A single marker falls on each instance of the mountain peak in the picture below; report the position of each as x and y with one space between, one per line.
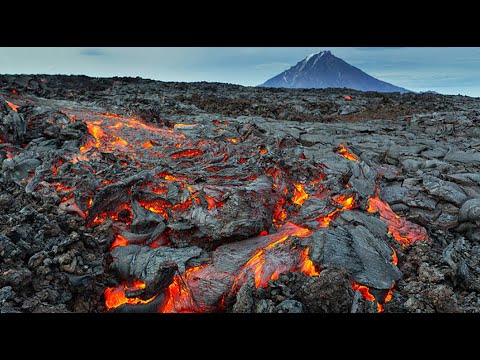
318 55
324 70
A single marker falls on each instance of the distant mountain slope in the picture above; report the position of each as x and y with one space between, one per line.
324 70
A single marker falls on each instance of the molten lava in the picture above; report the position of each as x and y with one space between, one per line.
179 297
402 230
308 267
299 194
172 189
342 150
345 202
12 106
256 265
364 290
116 296
147 144
279 213
119 241
394 257
187 153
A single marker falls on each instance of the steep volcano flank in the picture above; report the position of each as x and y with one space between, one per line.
198 210
324 70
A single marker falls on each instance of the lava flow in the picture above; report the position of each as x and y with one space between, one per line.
278 255
346 153
259 266
163 191
12 106
344 202
115 297
402 230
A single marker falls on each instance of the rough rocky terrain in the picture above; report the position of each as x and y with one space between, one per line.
425 149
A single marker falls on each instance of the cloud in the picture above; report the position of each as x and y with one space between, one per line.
92 52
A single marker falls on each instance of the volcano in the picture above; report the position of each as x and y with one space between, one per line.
169 208
324 70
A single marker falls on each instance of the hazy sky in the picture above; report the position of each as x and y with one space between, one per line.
446 70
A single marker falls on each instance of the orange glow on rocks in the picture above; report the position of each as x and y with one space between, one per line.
118 214
402 230
364 290
187 153
308 267
261 273
299 194
342 150
114 139
184 125
116 296
169 177
96 131
389 295
12 105
156 206
178 294
55 167
61 188
119 241
79 158
147 144
279 213
345 202
394 257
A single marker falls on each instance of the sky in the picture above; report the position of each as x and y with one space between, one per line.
442 69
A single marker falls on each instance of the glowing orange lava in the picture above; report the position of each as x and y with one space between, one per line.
394 257
12 106
347 202
122 140
402 230
308 267
299 194
119 241
115 296
364 290
184 125
279 213
187 153
147 144
61 188
262 274
342 150
156 206
178 294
